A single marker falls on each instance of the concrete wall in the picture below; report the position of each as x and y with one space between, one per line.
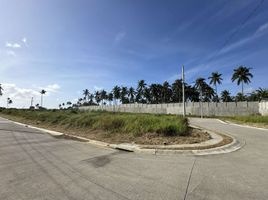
192 108
263 108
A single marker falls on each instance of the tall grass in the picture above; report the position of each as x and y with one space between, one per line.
125 123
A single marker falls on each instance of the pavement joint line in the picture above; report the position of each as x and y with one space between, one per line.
156 149
189 179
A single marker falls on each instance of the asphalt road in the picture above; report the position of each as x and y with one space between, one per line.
34 165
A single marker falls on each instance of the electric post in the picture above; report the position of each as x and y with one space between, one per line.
183 92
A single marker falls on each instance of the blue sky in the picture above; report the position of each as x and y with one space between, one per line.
66 46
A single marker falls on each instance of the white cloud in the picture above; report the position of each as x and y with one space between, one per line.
21 97
17 93
120 36
50 88
13 45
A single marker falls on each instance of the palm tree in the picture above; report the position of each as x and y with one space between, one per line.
242 75
226 96
240 97
166 92
69 103
9 101
86 94
156 92
191 93
103 96
123 94
116 93
200 85
42 92
177 91
59 106
262 93
91 97
1 90
215 79
97 97
131 94
79 102
147 95
140 91
209 93
110 97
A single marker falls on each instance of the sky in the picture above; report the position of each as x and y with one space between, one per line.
66 46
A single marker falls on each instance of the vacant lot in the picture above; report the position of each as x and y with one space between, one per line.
112 127
254 120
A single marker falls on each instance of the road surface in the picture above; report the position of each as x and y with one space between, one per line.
34 165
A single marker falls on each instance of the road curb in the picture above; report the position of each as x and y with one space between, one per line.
156 149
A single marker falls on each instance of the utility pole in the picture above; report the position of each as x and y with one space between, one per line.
183 92
201 103
32 102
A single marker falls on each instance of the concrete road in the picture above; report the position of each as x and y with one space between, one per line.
34 165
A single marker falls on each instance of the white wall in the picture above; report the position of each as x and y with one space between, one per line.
192 108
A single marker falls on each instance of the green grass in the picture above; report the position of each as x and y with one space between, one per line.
125 123
249 119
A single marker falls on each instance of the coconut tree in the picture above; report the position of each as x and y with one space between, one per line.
226 96
156 92
242 75
177 91
69 104
97 97
147 95
240 97
86 94
42 92
131 94
1 90
200 85
9 101
262 93
110 97
116 93
103 96
123 94
215 79
91 97
209 92
166 92
140 91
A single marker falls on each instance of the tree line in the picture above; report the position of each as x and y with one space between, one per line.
156 93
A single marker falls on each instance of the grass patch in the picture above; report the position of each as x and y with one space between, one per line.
131 124
255 120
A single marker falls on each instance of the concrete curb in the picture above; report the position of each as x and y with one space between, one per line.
156 149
